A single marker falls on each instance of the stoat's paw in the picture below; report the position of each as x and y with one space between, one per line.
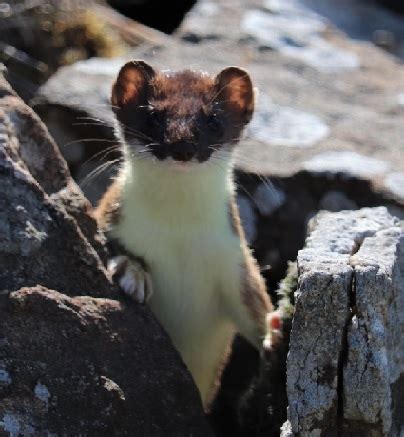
273 322
131 276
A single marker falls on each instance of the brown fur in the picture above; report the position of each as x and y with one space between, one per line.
253 289
182 92
183 100
109 208
237 91
253 292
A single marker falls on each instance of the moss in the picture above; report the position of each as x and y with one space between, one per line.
287 288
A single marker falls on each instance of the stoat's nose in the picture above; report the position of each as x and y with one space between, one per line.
182 151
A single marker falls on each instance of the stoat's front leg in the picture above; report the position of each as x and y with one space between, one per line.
129 271
251 308
132 276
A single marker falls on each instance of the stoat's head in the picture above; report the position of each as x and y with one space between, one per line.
181 115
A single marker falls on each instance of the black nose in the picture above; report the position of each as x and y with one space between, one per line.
182 151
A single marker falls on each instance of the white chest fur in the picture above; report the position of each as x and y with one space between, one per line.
179 222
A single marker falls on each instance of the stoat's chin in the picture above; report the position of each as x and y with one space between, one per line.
180 166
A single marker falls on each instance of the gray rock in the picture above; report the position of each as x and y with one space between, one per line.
395 183
295 31
282 126
375 360
312 367
381 26
350 163
37 232
346 350
94 366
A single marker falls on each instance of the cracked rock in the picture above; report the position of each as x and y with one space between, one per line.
346 358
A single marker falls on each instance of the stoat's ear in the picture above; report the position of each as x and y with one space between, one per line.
235 90
131 84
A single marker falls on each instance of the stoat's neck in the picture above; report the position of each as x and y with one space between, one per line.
175 197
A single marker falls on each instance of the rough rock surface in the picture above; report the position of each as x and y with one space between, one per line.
74 358
36 230
345 368
90 366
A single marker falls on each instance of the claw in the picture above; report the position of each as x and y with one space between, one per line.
134 281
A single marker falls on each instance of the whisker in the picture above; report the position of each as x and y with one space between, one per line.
93 123
88 140
126 129
102 154
135 132
97 171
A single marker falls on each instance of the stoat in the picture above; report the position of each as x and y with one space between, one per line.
172 215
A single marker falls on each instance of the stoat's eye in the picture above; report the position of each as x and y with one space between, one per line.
155 118
215 124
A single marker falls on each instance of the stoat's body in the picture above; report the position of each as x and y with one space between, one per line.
180 217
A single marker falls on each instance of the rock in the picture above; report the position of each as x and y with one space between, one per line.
395 183
302 113
37 231
74 357
282 126
375 359
346 353
350 19
197 20
95 366
349 163
295 31
336 201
